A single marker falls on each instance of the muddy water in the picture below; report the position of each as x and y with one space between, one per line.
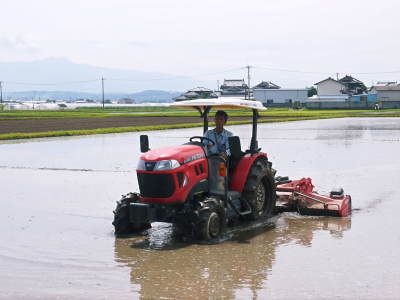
56 237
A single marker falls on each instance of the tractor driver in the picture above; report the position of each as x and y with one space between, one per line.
219 135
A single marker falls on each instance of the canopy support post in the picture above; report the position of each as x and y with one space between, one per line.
254 143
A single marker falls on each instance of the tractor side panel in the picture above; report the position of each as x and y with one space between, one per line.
241 171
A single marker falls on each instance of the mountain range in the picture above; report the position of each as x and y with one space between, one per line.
62 78
143 96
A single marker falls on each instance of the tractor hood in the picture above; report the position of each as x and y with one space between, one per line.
182 154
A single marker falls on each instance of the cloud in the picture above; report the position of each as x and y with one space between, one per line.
18 44
137 44
130 44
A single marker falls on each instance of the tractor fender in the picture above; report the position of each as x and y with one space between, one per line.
239 176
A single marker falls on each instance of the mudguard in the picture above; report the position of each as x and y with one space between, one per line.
242 169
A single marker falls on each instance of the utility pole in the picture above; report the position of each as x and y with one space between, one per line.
248 80
102 89
1 93
337 76
217 85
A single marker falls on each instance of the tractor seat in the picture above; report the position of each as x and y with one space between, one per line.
236 151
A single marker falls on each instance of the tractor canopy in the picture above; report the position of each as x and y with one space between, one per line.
225 102
204 106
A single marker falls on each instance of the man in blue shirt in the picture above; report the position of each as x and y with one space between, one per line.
219 135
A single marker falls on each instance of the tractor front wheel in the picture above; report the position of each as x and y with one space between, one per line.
122 222
210 224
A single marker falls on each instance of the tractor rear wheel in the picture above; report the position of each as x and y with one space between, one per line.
210 223
122 222
260 190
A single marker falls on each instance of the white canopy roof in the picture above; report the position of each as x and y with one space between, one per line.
224 102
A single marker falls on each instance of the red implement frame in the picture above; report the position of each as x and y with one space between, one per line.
299 195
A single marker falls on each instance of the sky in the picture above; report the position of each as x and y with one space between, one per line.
291 43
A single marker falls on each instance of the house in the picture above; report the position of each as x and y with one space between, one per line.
329 86
191 95
388 95
181 98
266 85
346 92
346 85
272 97
385 83
353 86
234 87
198 92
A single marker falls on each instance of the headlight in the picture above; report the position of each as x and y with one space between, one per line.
161 165
164 165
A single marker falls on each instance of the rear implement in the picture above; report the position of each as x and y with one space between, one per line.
299 195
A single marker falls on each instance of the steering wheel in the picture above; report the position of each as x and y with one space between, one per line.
202 138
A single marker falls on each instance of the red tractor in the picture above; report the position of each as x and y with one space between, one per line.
188 186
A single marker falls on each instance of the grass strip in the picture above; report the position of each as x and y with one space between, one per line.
13 136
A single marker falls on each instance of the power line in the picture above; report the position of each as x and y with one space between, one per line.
52 83
327 72
217 73
290 71
380 72
193 76
151 79
187 77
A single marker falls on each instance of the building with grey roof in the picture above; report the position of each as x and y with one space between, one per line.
388 95
234 87
272 95
266 85
281 97
196 93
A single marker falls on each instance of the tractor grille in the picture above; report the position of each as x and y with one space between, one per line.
156 185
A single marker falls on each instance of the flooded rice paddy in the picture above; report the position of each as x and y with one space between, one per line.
57 241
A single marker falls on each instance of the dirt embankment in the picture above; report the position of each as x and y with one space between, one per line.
42 125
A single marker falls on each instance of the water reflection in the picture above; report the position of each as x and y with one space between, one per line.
168 264
348 133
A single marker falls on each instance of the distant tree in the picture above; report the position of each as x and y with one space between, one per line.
296 105
311 91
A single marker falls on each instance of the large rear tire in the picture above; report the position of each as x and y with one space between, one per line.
260 190
122 222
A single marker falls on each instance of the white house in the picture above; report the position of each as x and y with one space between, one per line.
329 87
280 97
330 94
347 92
